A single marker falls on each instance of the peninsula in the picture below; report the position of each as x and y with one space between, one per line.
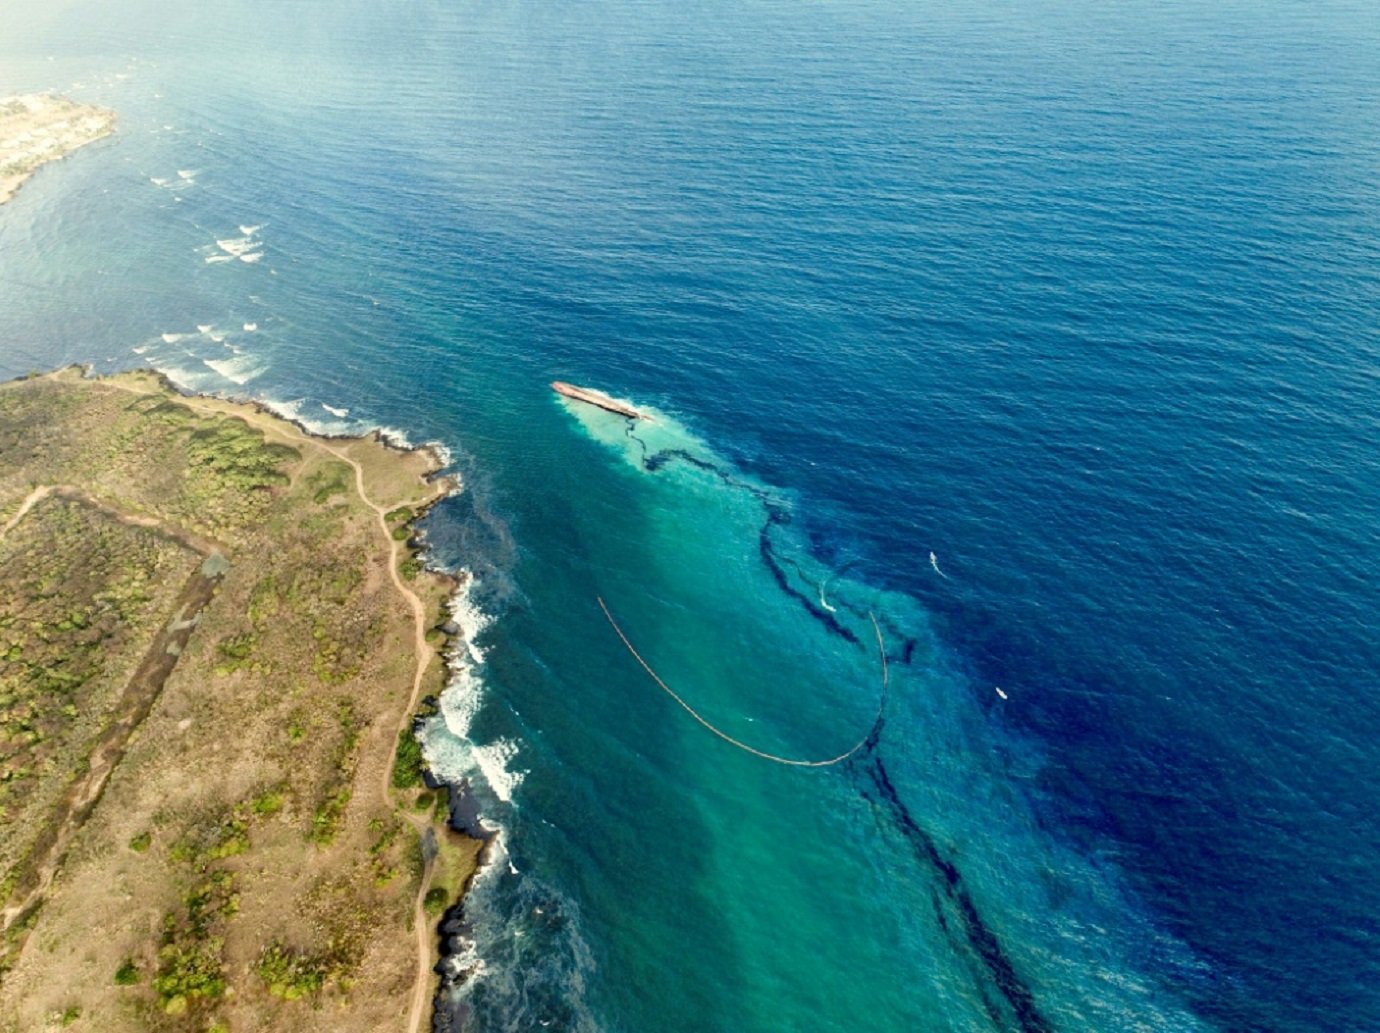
214 636
37 128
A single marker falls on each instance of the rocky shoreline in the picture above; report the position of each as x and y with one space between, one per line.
38 128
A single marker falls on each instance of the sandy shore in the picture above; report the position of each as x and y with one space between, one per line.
37 128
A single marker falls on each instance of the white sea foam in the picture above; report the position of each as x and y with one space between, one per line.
471 620
442 451
140 349
467 963
252 256
239 370
300 410
296 409
204 328
249 231
217 259
504 909
186 175
449 750
236 245
288 409
172 338
159 181
492 760
394 437
249 328
193 380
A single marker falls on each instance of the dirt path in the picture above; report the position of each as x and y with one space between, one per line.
421 989
172 532
46 855
34 498
272 426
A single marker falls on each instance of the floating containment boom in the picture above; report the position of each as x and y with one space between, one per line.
867 741
597 398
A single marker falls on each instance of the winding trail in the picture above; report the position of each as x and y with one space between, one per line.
421 988
34 498
68 815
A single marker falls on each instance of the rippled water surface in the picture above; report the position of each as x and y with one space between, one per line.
1045 334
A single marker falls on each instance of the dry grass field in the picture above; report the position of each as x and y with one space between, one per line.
212 639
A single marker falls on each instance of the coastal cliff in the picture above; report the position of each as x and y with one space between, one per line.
214 635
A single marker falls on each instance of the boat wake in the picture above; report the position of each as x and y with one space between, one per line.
823 601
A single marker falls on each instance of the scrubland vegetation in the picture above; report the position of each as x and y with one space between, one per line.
211 804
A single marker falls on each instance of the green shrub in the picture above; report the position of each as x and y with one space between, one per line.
225 837
326 821
127 974
188 971
237 651
408 762
141 842
435 901
268 803
329 482
292 974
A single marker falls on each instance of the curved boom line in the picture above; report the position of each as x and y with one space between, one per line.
881 706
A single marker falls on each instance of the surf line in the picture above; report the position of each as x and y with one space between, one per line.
867 740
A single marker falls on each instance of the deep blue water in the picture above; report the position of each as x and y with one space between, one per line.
1083 302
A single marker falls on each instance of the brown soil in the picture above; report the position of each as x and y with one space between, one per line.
223 847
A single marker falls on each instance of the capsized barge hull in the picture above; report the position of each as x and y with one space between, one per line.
590 396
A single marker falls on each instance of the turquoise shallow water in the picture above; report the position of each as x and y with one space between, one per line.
1081 302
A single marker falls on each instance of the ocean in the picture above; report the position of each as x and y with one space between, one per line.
1045 335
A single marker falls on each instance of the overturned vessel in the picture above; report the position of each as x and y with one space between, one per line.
590 396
